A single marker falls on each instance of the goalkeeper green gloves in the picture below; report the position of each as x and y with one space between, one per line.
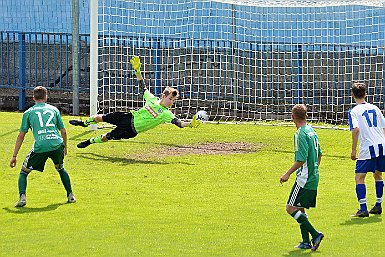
136 64
194 122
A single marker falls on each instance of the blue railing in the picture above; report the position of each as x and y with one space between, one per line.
31 59
41 59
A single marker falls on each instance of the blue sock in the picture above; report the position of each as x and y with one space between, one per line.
379 192
361 195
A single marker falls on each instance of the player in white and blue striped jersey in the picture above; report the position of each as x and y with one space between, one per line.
367 124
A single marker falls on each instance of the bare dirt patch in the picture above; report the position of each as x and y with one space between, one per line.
206 148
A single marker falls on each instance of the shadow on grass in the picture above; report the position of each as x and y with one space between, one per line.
362 221
160 143
81 135
9 133
23 210
342 157
300 252
116 160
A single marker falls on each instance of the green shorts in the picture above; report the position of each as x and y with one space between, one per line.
301 197
36 161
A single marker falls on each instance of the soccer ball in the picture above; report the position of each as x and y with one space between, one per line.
202 115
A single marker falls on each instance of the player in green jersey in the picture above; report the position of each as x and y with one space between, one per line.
45 122
128 124
304 192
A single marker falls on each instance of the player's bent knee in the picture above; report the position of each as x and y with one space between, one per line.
360 178
25 170
108 136
98 118
59 167
377 175
290 209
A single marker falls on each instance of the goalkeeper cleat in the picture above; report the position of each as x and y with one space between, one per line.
84 144
376 210
71 198
317 241
361 214
303 245
78 123
22 201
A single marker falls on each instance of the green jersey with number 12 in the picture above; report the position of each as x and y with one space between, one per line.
45 122
307 150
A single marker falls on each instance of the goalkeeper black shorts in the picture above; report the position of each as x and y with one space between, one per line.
124 122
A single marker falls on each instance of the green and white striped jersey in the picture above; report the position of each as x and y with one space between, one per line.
307 149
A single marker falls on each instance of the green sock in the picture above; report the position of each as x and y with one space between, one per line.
97 139
65 179
89 121
22 182
303 220
305 234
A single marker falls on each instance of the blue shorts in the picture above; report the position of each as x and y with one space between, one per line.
371 165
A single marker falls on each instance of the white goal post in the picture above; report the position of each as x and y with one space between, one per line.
244 60
94 63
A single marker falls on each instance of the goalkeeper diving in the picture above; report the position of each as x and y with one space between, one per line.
128 124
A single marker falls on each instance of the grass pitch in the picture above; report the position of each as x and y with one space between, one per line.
135 200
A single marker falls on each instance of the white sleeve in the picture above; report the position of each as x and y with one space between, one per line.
381 119
353 120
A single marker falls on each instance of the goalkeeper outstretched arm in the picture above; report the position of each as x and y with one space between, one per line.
194 123
136 64
142 86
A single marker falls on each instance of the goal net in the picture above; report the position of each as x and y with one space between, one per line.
244 60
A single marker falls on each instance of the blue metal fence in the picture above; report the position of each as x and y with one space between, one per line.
305 71
34 59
